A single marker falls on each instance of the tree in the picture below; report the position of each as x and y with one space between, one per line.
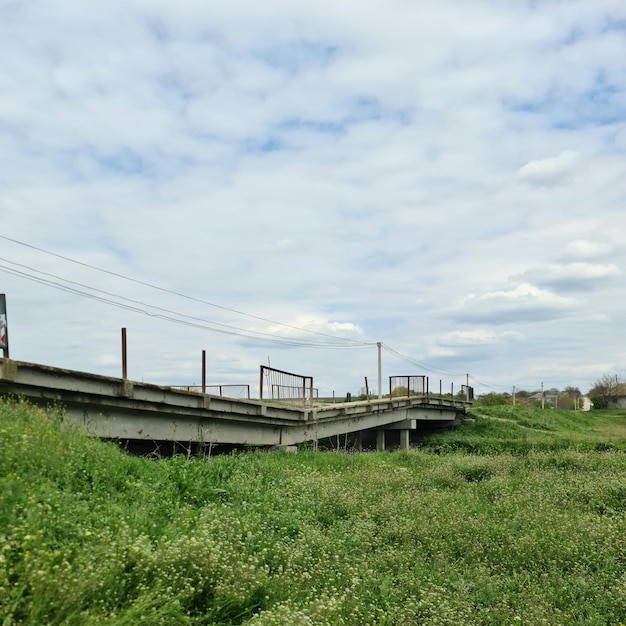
569 398
400 391
604 388
572 392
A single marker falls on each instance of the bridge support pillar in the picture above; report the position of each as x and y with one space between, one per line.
380 440
404 439
358 441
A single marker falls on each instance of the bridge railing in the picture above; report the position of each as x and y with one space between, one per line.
410 386
467 392
283 386
407 386
286 393
224 391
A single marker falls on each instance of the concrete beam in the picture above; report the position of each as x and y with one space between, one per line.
403 425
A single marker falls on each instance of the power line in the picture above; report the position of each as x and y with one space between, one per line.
255 335
182 295
436 370
497 389
139 306
430 368
52 284
74 291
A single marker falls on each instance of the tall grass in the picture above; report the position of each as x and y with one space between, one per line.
534 535
521 429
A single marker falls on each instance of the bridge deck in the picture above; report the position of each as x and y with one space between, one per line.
122 409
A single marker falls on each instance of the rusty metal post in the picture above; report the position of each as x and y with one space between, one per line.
3 311
440 389
367 389
124 355
203 372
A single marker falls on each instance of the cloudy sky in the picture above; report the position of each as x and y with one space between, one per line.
292 182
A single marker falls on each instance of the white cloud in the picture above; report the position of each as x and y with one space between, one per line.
572 275
549 171
348 176
298 327
585 249
284 245
478 337
524 304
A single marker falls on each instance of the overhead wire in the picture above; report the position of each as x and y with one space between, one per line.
193 321
186 296
426 366
436 370
497 388
227 329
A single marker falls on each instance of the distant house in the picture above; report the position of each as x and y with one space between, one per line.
617 397
548 398
552 399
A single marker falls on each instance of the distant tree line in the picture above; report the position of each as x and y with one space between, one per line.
608 386
569 398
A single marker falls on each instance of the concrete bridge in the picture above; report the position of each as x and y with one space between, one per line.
117 408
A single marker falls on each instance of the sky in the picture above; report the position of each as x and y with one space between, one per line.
290 183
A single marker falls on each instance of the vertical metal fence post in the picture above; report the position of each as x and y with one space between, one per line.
124 362
261 384
204 372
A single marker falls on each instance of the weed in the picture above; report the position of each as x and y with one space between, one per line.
517 519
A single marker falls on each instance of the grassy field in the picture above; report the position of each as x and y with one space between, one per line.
518 518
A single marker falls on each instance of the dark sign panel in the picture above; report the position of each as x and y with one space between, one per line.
4 333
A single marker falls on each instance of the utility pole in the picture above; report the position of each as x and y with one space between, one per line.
380 371
543 403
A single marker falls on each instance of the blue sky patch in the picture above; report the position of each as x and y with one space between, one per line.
295 56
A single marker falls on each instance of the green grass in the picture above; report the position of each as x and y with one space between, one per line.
521 429
519 518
